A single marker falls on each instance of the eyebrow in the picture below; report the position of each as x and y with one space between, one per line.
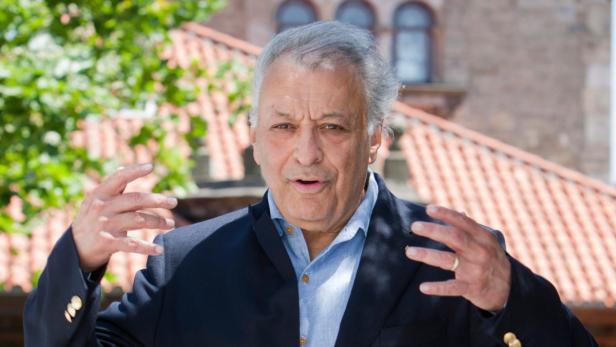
281 114
333 115
328 115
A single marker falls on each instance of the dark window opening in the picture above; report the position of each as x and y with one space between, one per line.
294 13
412 45
358 13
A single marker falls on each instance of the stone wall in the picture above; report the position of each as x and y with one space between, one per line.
536 74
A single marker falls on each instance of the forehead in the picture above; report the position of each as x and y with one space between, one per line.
289 86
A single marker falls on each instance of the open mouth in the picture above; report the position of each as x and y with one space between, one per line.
307 182
308 185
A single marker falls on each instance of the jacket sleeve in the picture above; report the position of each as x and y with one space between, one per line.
534 315
62 285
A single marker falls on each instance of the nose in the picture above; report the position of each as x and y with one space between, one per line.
308 149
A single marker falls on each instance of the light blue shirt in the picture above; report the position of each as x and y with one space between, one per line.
325 283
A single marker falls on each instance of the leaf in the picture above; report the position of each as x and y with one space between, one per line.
34 278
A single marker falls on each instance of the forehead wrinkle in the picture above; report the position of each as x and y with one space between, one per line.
309 99
316 103
302 104
327 115
322 105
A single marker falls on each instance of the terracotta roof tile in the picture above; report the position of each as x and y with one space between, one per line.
558 222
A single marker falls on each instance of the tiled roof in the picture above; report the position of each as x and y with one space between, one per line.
560 223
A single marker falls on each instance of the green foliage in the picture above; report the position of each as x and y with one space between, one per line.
234 72
63 62
34 278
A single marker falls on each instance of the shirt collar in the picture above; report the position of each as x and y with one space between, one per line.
360 220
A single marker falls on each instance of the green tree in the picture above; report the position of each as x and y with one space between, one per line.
62 62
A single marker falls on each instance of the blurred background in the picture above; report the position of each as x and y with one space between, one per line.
504 113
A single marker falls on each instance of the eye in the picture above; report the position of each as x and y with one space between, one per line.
332 127
282 126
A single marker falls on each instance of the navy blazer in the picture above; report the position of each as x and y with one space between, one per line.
229 282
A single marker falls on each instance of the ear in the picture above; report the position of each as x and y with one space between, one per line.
375 143
253 142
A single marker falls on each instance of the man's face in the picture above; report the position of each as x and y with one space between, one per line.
312 142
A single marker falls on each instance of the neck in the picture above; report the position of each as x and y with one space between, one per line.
318 240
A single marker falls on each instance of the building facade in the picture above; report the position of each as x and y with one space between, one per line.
532 73
559 223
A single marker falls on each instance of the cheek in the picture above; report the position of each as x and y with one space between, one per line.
256 154
270 156
350 157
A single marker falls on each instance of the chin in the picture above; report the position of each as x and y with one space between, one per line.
308 212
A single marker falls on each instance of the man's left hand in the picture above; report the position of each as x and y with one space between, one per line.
482 270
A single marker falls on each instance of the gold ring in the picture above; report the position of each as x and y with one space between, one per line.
456 263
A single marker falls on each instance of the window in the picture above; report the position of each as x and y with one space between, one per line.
358 13
412 46
293 13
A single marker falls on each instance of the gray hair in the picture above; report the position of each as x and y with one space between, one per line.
326 42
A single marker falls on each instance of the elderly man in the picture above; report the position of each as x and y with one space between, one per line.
328 257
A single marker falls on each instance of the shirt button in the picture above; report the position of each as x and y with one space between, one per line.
289 230
302 341
305 278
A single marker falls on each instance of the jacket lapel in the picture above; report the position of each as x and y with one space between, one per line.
285 303
384 271
270 241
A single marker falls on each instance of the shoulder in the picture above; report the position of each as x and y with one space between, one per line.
388 203
180 241
201 230
408 211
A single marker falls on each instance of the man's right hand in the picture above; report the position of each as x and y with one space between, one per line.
107 213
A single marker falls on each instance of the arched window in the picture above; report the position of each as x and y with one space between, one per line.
358 13
293 13
412 46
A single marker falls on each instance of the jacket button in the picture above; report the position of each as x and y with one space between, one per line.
71 310
68 317
509 337
515 343
76 302
302 341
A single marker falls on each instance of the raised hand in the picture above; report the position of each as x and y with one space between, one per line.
107 213
482 270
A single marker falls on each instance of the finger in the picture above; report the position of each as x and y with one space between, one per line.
132 245
93 209
117 182
137 220
454 238
129 202
442 259
444 288
453 218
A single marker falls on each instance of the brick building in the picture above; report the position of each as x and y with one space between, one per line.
532 73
